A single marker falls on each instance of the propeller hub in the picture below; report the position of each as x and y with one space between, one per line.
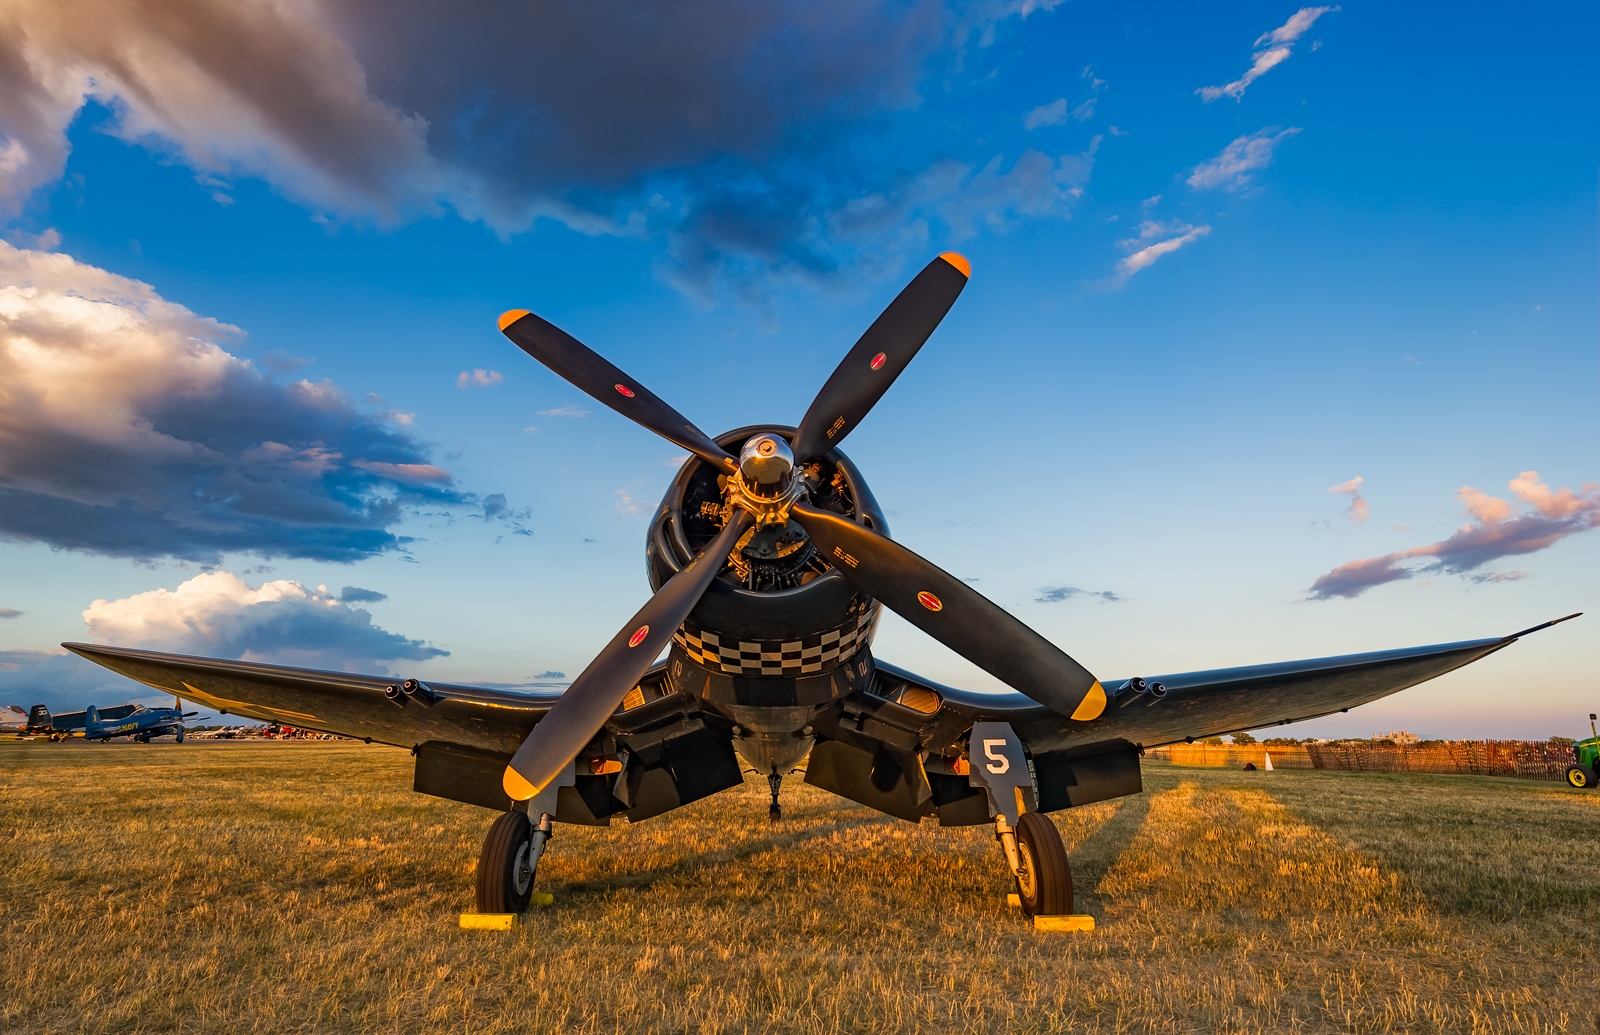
765 483
766 463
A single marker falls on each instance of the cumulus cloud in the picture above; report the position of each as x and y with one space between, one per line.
1232 168
479 378
1497 529
1271 50
220 615
9 612
357 595
1357 511
1057 594
723 127
126 430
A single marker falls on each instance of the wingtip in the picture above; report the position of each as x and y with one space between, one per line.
511 316
959 261
1545 625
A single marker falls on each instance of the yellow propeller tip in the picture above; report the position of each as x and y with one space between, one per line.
959 261
1093 703
511 316
516 787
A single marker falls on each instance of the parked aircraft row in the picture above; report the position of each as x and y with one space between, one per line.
138 721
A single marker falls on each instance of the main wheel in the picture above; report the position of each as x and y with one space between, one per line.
1044 883
505 866
1581 776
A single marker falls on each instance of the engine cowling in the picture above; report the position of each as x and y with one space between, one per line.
779 589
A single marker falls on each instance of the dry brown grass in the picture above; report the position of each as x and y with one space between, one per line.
289 888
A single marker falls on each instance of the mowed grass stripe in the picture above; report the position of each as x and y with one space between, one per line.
286 887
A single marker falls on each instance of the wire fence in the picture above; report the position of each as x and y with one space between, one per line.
1525 759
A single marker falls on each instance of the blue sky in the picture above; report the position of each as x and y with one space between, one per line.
1188 320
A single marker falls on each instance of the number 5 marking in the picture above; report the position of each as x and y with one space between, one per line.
998 763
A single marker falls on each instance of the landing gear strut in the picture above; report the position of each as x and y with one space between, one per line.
774 781
509 859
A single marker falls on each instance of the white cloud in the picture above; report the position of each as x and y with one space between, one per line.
1056 114
141 60
479 378
565 411
1165 239
221 615
1052 114
1497 530
1357 512
1272 49
1232 168
125 429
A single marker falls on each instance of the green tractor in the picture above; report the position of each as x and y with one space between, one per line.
1587 755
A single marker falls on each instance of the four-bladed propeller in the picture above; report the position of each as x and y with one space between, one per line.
933 600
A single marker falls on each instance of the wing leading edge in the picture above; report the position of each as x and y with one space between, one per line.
479 718
1218 701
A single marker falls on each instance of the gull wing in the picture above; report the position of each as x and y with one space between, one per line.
482 719
1075 763
1226 700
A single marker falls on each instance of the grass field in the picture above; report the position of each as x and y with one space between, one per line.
303 887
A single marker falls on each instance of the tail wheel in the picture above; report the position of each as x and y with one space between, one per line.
1044 880
1581 776
505 867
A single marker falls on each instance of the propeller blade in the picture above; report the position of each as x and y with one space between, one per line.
883 352
594 696
604 383
953 613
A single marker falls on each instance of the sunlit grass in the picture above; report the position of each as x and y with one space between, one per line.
303 887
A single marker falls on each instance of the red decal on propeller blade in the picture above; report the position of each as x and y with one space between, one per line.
929 601
624 389
638 637
878 361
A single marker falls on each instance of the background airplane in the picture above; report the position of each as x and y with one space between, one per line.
124 720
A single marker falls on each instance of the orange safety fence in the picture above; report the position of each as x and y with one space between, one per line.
1526 759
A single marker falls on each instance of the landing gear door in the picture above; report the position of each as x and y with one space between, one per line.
999 766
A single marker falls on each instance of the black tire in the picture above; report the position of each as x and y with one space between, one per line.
1045 883
1581 777
505 881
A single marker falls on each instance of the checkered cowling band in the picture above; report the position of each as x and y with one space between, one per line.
809 656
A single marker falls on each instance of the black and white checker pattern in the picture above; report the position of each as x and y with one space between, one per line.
812 655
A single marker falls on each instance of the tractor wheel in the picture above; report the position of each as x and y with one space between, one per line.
1582 777
1044 883
505 867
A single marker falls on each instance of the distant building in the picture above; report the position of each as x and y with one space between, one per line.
1400 737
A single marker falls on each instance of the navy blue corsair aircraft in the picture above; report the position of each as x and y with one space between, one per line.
124 720
771 563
